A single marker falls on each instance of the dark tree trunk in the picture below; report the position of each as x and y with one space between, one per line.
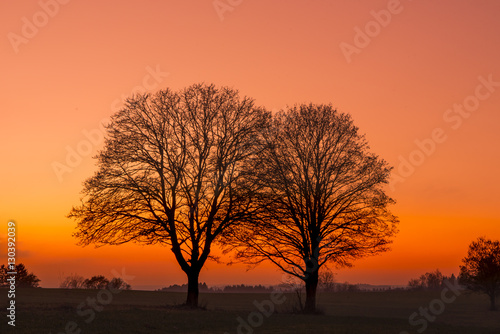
193 290
493 306
311 287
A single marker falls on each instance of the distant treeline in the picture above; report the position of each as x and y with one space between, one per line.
226 289
75 281
287 288
432 280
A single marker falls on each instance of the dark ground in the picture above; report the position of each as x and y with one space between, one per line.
56 311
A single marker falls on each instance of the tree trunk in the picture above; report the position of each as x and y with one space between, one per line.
193 291
311 287
493 306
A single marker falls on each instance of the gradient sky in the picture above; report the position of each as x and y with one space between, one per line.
61 74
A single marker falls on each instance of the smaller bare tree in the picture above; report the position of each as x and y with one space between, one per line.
73 281
326 280
117 283
318 194
96 282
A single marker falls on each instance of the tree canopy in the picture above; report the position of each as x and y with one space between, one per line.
24 279
199 166
170 172
480 269
318 196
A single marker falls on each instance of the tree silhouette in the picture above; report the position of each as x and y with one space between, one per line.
170 173
24 279
319 197
117 283
429 280
73 281
480 271
96 282
326 280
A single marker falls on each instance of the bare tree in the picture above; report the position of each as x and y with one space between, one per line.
170 173
320 197
96 282
117 283
326 280
429 280
480 271
23 278
73 281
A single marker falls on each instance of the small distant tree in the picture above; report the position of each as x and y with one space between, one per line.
73 281
327 280
96 282
117 283
480 271
24 279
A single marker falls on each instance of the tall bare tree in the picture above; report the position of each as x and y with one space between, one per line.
169 174
320 196
480 269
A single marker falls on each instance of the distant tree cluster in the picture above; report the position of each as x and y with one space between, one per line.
431 280
479 272
95 282
248 288
203 287
326 284
24 279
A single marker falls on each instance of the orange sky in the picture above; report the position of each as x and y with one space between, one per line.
62 73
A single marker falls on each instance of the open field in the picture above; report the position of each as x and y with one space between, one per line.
53 310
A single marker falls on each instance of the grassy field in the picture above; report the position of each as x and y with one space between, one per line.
56 311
